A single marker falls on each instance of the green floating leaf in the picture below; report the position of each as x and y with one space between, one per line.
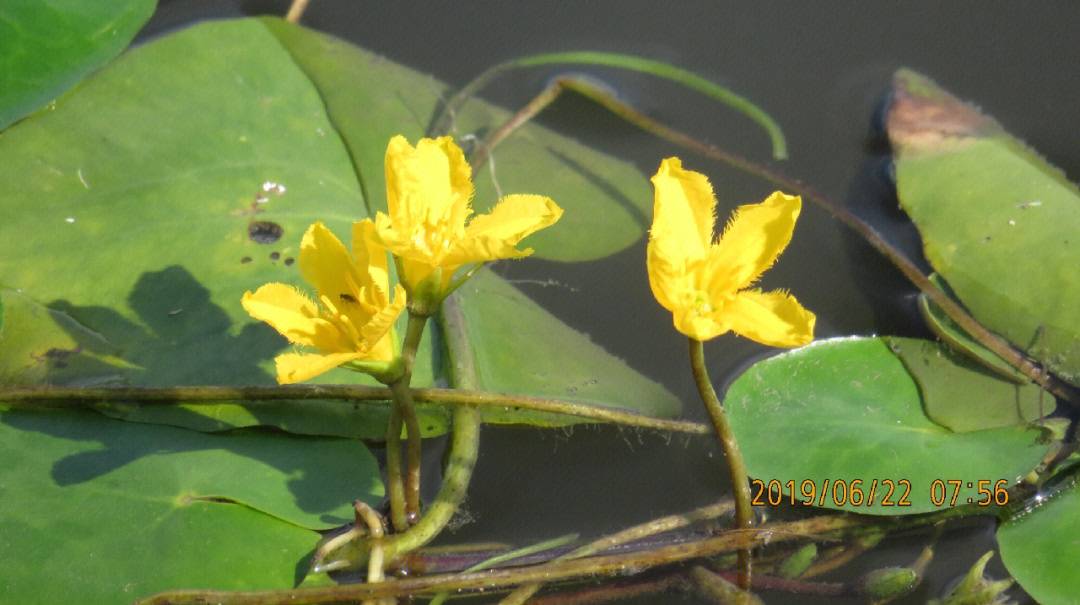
951 333
232 164
847 410
369 99
998 223
111 511
982 400
1041 545
46 46
144 205
518 347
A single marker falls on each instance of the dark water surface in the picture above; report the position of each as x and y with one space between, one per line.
819 69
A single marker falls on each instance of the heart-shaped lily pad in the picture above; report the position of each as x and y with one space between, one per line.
111 510
847 410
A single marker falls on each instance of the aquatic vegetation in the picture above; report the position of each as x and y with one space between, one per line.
147 218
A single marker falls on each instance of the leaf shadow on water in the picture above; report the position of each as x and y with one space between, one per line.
891 297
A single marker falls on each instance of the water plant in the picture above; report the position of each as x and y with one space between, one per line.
149 454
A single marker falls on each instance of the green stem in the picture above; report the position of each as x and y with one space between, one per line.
296 10
464 445
740 482
395 485
403 398
404 493
719 589
628 62
413 333
404 403
788 585
508 556
670 581
56 397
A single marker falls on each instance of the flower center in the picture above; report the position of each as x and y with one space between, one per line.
432 239
701 304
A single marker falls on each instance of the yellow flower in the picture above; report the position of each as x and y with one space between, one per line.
354 318
705 284
428 197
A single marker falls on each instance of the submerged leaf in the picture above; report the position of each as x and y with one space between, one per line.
847 410
998 223
518 347
961 395
952 334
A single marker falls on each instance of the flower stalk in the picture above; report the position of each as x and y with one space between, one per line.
405 495
740 482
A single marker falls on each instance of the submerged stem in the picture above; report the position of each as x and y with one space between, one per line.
740 482
631 534
504 578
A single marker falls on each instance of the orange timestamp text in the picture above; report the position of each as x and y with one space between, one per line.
883 492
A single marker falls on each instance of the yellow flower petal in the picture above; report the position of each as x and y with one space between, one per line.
293 315
494 235
771 318
668 282
755 236
402 242
296 367
427 185
383 321
684 212
384 350
371 259
325 263
429 191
